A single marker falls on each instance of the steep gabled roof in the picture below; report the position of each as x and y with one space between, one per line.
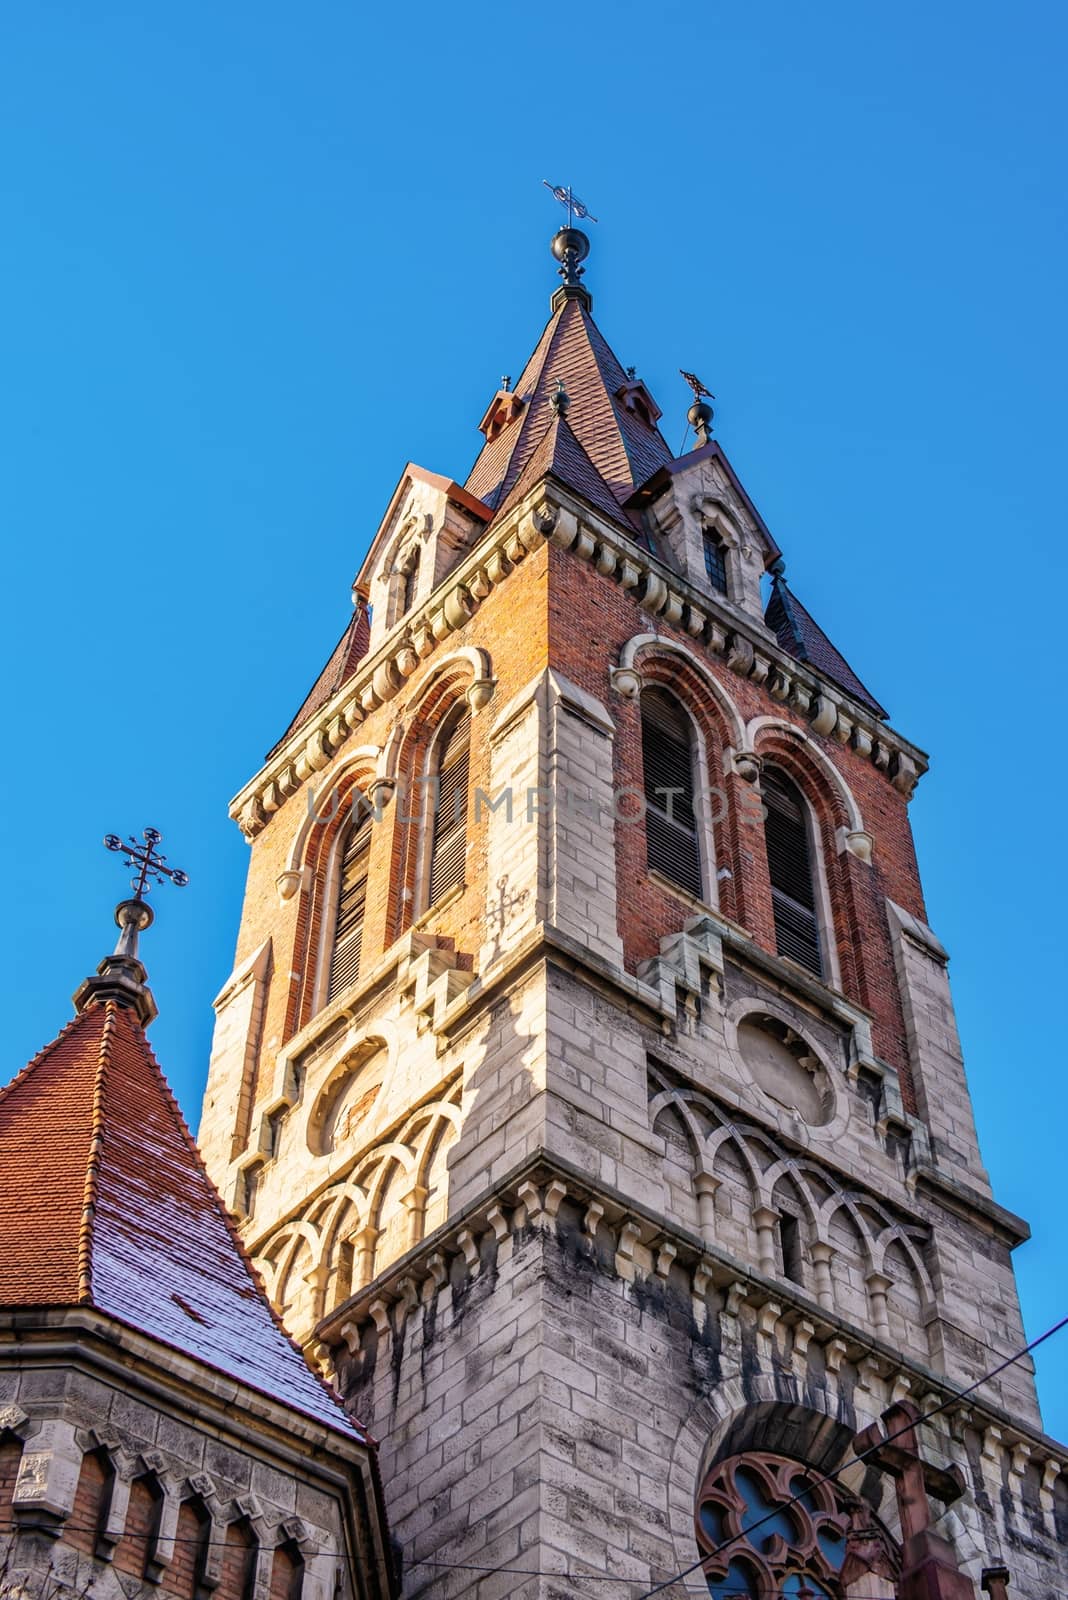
105 1202
344 659
558 454
616 435
800 634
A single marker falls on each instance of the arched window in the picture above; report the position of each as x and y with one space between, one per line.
672 844
136 1550
409 582
87 1529
448 802
190 1563
791 867
351 904
287 1572
715 560
799 1528
238 1577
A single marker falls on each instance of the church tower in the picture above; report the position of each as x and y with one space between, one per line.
587 1085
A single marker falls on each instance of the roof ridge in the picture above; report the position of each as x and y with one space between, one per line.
227 1218
96 1148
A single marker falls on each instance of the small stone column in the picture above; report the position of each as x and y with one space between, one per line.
765 1221
879 1286
822 1255
706 1185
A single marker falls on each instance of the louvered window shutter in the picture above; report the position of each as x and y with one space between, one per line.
351 903
672 845
790 867
449 838
715 561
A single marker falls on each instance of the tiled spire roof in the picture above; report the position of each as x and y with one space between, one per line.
559 454
607 413
344 659
105 1202
800 634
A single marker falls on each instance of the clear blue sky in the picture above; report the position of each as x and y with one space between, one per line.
255 257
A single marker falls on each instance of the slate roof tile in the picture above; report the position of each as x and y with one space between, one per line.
105 1201
801 636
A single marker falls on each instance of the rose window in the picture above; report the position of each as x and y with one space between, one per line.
788 1530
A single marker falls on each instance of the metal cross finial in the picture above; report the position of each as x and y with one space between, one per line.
148 861
568 198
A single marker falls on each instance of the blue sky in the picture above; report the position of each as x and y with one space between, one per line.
254 258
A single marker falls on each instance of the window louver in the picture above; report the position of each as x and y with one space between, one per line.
790 867
448 848
672 845
715 562
351 903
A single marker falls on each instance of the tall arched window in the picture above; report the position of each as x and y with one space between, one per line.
715 560
351 904
672 844
791 867
448 801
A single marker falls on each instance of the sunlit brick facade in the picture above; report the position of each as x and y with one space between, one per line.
643 1150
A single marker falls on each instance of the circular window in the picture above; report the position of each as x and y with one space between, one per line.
768 1526
347 1099
785 1068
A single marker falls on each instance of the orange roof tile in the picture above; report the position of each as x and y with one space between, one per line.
105 1201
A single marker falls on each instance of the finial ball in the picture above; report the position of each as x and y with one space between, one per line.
571 241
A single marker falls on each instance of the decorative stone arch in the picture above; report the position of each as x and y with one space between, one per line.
449 672
767 1005
732 1419
382 1034
628 680
849 822
280 1253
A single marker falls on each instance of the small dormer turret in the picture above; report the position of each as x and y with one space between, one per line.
429 524
710 529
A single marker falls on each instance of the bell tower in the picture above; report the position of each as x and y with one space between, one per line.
587 1085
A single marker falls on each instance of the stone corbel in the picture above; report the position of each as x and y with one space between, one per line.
857 841
826 715
288 883
479 694
626 681
664 1258
469 1245
748 765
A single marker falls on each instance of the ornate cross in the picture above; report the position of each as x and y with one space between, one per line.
147 860
567 197
929 1567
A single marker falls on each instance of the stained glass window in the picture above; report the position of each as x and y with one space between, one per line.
768 1528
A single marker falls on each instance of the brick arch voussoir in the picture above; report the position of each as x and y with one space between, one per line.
675 674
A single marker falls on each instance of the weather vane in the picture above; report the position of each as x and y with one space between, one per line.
696 385
568 198
150 864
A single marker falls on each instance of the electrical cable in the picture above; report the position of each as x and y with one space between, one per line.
829 1477
530 1572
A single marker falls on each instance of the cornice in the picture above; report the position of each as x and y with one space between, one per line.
529 1197
551 514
